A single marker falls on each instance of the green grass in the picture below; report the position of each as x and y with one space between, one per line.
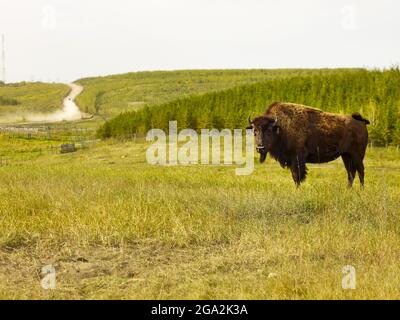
111 95
115 227
17 99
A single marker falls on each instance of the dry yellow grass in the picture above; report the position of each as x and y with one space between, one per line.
115 227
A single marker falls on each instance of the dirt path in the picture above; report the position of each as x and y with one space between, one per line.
71 106
76 89
70 110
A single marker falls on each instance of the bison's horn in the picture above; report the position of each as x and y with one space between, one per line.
249 120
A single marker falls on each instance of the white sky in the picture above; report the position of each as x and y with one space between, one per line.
62 40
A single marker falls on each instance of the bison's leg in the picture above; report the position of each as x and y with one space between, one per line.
358 164
360 170
298 169
350 167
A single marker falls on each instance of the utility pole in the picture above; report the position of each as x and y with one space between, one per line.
3 59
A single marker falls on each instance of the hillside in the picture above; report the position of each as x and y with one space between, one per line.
375 94
111 95
17 99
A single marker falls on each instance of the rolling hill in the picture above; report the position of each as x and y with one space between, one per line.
112 95
30 97
375 94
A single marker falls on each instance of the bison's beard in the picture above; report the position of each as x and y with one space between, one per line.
263 156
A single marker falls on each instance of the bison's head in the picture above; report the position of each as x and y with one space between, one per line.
266 132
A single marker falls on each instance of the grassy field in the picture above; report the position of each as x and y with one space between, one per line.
115 227
19 99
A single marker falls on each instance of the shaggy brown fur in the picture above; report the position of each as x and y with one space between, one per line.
294 135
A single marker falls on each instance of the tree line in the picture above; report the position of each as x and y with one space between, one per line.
373 93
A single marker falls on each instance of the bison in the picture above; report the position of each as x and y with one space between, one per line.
295 134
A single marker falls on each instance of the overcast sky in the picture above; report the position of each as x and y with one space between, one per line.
63 40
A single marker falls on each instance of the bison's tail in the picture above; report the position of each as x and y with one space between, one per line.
358 117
